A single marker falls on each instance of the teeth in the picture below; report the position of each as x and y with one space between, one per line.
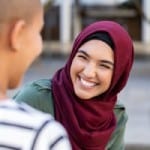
87 84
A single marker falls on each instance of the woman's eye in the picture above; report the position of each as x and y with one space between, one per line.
81 56
105 66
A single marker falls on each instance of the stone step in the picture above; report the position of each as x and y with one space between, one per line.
137 147
56 47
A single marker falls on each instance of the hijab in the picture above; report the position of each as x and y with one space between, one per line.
90 123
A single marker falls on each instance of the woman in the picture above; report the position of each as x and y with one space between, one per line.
84 92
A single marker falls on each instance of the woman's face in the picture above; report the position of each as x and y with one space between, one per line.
92 69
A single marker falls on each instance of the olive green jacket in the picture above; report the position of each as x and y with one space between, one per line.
38 95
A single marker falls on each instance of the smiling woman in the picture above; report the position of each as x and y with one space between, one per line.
83 94
92 67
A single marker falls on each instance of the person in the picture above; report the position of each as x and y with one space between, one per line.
21 126
82 95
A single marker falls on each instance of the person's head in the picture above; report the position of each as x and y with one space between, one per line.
92 67
21 22
101 60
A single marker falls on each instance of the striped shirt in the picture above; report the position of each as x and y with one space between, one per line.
24 128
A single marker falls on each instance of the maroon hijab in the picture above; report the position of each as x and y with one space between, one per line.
90 123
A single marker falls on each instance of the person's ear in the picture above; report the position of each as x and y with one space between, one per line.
17 35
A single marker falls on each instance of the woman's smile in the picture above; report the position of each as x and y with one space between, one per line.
86 83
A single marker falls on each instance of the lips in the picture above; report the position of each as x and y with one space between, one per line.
87 84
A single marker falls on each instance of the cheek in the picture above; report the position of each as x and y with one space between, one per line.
38 45
33 44
76 67
105 77
34 50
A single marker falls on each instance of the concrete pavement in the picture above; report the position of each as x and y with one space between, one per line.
136 97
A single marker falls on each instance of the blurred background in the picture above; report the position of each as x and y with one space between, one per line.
64 19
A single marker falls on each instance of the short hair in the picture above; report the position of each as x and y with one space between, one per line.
18 9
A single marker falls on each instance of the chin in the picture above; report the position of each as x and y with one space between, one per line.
84 97
15 84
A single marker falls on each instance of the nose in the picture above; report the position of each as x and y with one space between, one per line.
90 70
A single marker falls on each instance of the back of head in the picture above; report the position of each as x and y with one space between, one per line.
20 25
12 10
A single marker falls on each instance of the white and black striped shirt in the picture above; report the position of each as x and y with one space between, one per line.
24 128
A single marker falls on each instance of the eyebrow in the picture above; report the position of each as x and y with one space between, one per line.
108 62
103 61
83 52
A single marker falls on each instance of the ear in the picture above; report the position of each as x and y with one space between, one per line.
16 35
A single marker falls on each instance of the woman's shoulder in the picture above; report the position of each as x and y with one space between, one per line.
35 87
117 139
41 84
36 94
121 114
